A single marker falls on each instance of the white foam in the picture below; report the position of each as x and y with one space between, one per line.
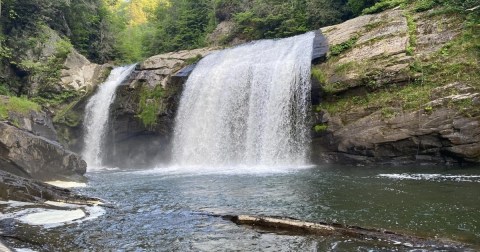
14 204
24 250
225 170
52 218
67 184
41 215
432 177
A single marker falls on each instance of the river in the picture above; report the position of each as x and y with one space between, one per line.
167 210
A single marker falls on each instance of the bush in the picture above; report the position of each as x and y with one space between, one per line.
383 5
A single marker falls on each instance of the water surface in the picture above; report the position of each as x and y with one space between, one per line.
159 210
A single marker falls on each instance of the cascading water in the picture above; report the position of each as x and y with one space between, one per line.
96 115
247 106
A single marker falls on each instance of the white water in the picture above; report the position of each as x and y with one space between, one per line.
96 115
247 106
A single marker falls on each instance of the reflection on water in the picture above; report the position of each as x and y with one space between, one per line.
170 211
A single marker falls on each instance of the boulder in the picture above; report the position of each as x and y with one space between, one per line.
32 156
17 188
36 122
80 74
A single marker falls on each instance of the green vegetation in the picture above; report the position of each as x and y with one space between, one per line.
319 75
383 5
336 50
193 60
320 128
455 62
412 33
19 105
150 105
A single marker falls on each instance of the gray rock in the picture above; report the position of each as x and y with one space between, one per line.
444 136
31 156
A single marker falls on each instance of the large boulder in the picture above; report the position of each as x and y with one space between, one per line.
28 155
80 74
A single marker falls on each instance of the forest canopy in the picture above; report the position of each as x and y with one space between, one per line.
130 30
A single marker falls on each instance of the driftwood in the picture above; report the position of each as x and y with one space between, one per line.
284 225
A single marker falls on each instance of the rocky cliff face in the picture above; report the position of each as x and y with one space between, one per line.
143 113
391 95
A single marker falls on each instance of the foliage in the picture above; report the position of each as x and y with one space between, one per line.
320 128
423 5
4 90
383 5
342 47
18 105
412 33
193 60
150 105
276 19
47 73
319 75
183 25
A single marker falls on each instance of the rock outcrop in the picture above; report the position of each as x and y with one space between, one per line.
36 122
372 54
28 155
80 74
17 188
134 141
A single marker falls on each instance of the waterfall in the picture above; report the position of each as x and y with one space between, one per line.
96 115
247 106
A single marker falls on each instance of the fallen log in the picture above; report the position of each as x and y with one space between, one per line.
285 225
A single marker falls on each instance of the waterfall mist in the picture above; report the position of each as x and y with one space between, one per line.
247 106
96 115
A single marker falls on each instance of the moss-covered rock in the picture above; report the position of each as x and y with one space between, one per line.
402 89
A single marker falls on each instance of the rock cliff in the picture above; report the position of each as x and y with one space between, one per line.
395 90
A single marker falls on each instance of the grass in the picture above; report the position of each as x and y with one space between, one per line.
320 128
412 33
193 60
150 105
338 49
319 75
19 105
383 5
424 5
372 26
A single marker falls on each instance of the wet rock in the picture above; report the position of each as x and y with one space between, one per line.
17 188
31 156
